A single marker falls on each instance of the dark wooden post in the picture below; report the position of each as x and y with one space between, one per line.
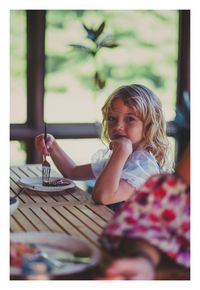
35 77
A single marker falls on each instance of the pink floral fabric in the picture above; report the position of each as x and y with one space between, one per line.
160 213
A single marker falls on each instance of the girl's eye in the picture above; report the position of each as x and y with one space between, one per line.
130 119
111 119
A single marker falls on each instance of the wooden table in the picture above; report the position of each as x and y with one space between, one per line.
72 212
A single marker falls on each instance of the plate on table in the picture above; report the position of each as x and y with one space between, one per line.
60 253
35 183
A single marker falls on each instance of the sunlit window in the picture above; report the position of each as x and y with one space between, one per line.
146 53
17 153
18 67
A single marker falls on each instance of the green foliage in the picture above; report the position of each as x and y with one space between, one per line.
108 48
22 147
99 40
55 63
57 89
132 72
137 41
18 44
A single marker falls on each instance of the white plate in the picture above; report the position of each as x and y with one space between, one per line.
35 183
52 243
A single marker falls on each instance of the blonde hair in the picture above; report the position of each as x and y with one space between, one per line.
148 108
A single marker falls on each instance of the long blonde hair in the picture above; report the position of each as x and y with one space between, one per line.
148 108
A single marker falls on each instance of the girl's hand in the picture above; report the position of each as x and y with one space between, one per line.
40 143
130 269
123 144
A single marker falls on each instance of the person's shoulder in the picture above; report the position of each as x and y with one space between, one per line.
145 159
142 154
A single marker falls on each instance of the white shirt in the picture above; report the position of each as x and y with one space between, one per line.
138 168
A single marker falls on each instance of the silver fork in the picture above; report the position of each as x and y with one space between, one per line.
46 167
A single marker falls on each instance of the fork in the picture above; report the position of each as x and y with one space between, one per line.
46 167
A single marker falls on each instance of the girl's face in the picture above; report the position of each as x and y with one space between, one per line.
122 122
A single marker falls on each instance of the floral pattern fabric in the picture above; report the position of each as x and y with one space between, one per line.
160 213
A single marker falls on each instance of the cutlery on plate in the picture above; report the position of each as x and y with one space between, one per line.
62 258
57 260
46 167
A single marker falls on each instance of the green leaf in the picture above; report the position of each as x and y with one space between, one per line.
93 34
99 81
108 41
100 29
108 44
83 48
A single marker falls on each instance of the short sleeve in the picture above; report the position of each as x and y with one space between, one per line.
139 167
99 160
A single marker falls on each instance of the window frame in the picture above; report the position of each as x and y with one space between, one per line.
36 23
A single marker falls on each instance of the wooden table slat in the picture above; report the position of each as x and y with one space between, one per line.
48 221
15 225
83 218
41 226
103 211
72 211
77 224
92 215
27 225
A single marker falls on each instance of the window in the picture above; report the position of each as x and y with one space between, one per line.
18 67
147 53
57 78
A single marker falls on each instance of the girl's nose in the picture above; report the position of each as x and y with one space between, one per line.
120 125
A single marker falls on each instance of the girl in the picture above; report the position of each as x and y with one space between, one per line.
134 127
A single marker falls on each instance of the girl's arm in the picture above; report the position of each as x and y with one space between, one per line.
109 188
63 162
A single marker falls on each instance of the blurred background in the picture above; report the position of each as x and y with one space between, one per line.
65 63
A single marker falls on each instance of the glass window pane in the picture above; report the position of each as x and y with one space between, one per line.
17 153
81 150
18 66
147 54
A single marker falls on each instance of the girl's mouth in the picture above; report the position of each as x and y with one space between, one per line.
118 136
